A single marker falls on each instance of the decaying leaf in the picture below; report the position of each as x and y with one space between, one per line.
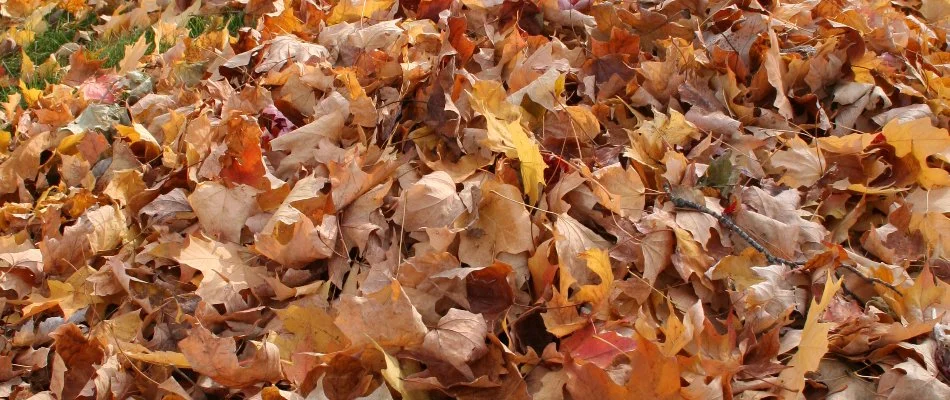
506 134
813 344
475 199
458 339
217 358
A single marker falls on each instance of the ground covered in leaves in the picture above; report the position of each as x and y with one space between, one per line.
476 199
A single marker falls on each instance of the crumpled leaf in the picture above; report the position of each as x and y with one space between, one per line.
459 338
360 319
431 202
217 357
501 226
620 190
295 241
506 134
572 239
597 295
100 117
311 329
224 272
475 199
210 199
802 163
70 296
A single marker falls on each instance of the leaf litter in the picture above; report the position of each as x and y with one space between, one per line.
475 199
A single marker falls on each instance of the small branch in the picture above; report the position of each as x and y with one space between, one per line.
728 223
871 279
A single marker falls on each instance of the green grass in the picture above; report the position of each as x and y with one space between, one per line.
235 21
60 32
230 19
197 25
111 49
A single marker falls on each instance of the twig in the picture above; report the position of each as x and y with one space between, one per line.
728 223
871 279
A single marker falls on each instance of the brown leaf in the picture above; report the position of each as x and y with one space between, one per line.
458 338
501 225
224 273
212 201
216 357
78 355
431 202
360 316
572 239
814 343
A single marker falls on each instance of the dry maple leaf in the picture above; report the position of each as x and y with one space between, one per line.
212 200
224 273
502 224
478 200
360 318
431 202
813 345
506 134
920 139
217 358
458 339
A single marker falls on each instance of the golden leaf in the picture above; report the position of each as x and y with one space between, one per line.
507 134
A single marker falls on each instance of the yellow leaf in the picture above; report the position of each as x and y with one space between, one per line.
31 96
920 139
506 134
19 8
676 333
311 329
674 129
861 188
585 125
561 318
532 165
597 295
347 76
125 185
71 295
935 228
168 358
75 7
354 10
813 346
26 30
917 302
5 137
284 23
133 53
68 145
139 134
22 37
394 376
138 352
121 328
48 68
739 268
27 68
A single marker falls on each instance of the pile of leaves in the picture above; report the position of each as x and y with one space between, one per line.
476 199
